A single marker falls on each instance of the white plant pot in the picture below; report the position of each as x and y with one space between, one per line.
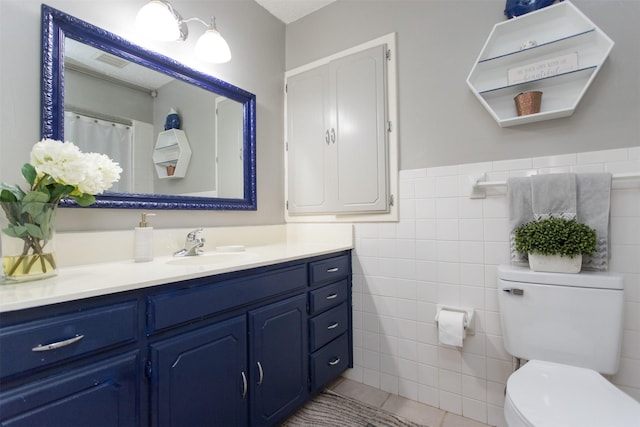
555 263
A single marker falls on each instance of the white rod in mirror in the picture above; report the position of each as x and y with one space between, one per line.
479 185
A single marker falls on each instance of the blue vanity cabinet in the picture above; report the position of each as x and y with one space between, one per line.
70 366
201 377
244 348
247 364
100 394
330 322
278 360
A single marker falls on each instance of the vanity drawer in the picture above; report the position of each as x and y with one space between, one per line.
40 343
329 362
329 269
327 326
328 296
189 304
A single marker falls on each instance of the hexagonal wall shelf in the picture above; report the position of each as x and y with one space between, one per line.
556 50
171 154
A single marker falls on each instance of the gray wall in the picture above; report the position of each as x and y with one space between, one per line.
257 42
441 122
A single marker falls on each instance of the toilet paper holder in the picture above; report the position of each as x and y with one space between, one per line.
469 320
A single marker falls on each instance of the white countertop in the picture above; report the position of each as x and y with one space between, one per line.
83 281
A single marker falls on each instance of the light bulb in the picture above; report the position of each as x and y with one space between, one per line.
156 21
211 47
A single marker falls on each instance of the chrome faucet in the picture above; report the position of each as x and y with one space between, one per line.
192 245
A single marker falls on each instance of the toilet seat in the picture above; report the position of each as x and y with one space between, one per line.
550 394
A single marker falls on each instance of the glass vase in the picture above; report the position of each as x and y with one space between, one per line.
27 240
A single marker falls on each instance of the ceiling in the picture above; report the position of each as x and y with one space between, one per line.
291 10
98 63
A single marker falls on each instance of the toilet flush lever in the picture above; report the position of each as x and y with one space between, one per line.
514 291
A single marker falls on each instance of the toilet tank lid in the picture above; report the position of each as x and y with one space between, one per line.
584 279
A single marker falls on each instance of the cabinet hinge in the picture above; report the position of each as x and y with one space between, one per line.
388 54
286 88
391 200
286 146
286 205
148 369
389 126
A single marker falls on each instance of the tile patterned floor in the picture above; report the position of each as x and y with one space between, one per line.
408 409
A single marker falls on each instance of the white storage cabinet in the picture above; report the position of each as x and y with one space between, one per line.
337 136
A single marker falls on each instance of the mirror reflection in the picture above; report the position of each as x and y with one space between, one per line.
113 97
118 108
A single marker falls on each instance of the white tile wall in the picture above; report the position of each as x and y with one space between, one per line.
445 249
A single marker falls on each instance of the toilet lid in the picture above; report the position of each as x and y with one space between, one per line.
551 394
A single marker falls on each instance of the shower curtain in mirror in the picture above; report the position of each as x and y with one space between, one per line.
106 137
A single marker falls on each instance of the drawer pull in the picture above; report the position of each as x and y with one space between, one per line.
55 345
332 270
332 296
334 362
261 375
244 385
333 326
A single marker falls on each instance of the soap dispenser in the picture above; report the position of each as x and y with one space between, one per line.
143 240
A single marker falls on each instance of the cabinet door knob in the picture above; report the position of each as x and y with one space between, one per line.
332 270
334 362
326 137
333 135
332 296
333 326
260 374
58 344
244 385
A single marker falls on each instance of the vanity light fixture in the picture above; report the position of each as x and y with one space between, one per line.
158 20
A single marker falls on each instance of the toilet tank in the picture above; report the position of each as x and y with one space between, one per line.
575 319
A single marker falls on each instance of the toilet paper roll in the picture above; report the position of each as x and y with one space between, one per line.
451 327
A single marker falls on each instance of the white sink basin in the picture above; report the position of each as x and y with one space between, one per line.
214 258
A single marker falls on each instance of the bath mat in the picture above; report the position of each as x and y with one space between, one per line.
329 409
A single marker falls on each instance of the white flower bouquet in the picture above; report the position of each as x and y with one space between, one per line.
56 170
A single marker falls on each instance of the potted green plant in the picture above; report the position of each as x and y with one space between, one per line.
555 244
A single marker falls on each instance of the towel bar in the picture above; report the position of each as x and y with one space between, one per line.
479 186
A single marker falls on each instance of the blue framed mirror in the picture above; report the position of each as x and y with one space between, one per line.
65 76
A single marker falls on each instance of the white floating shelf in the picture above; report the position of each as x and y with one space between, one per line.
548 34
172 151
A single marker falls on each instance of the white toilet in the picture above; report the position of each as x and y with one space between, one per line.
569 328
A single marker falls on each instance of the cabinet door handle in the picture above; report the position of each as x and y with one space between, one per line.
333 135
58 344
334 362
333 326
244 385
326 137
332 270
332 296
260 374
